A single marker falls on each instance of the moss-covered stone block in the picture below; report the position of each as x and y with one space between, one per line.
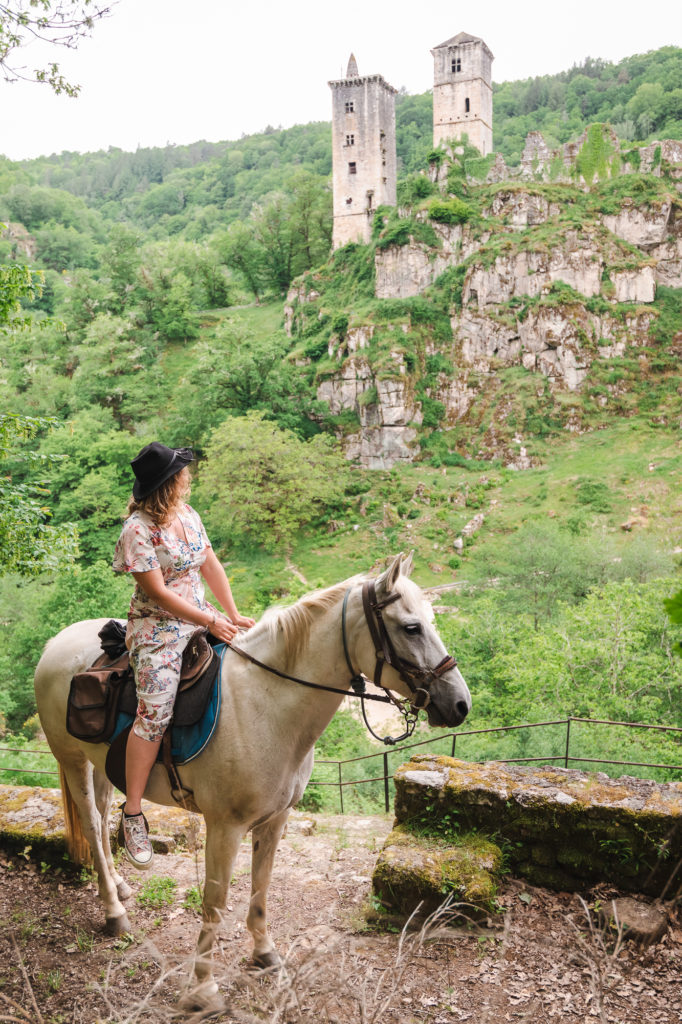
576 827
414 869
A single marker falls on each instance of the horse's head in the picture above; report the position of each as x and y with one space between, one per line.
415 661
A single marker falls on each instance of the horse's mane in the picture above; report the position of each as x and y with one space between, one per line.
293 623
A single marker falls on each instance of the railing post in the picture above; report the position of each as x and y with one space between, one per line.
454 742
387 801
341 788
568 741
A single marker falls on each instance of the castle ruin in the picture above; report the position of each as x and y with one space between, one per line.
363 152
363 129
463 92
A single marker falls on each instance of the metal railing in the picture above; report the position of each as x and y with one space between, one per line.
565 757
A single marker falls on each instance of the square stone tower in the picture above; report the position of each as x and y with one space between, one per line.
462 92
363 152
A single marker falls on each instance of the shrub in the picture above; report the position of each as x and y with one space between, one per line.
450 211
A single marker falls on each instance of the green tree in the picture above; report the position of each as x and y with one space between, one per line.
235 372
264 484
29 544
56 22
240 251
77 593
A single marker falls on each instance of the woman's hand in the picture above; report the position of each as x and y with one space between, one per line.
223 629
243 621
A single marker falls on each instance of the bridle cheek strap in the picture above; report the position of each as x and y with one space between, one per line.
385 652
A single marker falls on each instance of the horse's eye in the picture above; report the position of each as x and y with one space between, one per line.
412 628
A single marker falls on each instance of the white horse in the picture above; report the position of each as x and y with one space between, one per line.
260 758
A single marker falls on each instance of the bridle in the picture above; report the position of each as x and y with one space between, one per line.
417 679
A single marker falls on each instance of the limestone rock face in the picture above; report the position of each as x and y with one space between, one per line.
522 209
641 226
549 339
387 434
532 273
635 285
300 294
406 270
562 828
668 258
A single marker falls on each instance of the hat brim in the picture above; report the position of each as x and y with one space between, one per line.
176 466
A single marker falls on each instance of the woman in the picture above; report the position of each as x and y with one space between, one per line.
164 545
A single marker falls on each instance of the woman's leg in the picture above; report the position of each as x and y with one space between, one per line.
140 757
157 675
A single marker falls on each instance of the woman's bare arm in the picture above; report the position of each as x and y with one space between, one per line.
153 585
219 585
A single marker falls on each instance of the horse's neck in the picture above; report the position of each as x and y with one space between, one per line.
302 713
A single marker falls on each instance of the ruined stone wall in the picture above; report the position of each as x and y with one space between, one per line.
457 822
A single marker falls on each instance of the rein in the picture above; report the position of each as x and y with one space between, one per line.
385 652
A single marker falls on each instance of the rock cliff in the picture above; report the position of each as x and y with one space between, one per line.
551 268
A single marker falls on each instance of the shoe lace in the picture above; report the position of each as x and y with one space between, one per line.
136 831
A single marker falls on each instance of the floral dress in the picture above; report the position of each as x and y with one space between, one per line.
155 639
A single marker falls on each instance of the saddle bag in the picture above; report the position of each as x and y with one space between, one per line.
97 695
93 699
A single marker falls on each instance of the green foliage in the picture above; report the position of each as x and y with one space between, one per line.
51 22
414 188
264 483
450 211
29 544
75 594
595 494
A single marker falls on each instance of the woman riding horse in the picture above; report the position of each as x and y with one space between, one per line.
164 545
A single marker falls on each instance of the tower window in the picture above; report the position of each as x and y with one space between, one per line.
456 64
352 168
350 139
466 105
350 106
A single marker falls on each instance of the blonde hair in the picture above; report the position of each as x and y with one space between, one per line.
161 504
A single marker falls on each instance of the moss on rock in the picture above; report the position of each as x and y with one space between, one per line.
579 827
413 869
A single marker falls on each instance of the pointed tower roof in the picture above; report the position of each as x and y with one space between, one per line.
352 71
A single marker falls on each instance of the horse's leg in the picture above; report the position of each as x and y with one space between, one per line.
104 793
222 846
81 788
265 840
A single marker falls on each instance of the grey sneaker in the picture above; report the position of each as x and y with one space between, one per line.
133 836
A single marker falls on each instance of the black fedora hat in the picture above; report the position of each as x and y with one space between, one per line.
155 464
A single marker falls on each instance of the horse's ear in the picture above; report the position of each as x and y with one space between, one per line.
387 581
407 566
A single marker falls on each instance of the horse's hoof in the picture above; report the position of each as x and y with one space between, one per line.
269 961
117 925
124 891
205 999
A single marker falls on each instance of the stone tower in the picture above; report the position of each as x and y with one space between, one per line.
363 152
462 92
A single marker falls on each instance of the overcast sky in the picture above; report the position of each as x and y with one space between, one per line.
174 71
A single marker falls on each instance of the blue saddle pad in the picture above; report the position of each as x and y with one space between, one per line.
187 742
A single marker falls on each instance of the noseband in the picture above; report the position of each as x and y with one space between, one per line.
417 679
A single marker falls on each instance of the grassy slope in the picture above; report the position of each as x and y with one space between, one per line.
421 507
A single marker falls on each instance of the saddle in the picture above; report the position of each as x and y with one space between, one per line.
102 705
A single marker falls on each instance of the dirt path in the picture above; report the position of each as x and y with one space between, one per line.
538 962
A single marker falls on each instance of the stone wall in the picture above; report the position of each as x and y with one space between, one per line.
561 828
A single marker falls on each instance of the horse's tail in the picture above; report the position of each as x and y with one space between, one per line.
77 845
